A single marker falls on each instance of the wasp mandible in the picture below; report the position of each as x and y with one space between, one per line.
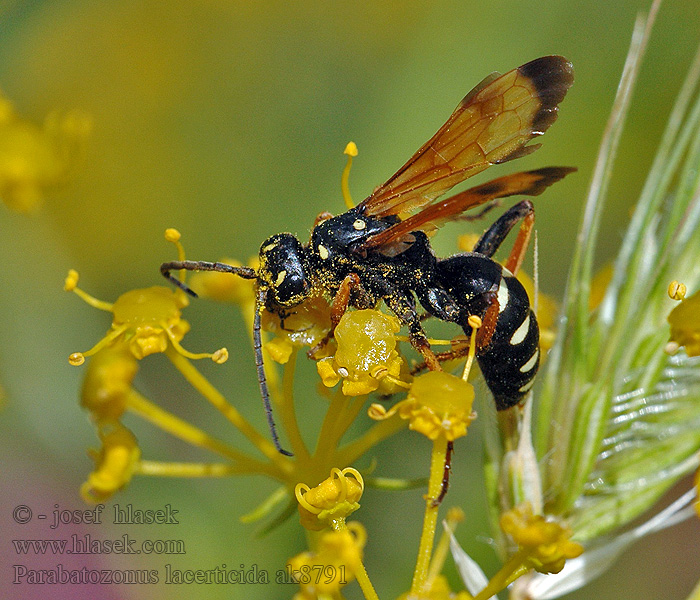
374 252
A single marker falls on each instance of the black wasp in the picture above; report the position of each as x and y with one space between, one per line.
374 252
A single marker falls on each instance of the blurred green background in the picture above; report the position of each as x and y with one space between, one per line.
227 120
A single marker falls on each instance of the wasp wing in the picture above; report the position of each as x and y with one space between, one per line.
526 183
492 124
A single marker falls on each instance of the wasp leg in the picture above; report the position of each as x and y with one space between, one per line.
338 307
321 217
201 265
442 357
445 475
406 312
494 236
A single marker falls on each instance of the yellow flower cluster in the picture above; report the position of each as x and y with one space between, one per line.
322 573
36 158
545 544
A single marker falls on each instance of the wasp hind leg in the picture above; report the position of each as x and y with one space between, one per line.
494 236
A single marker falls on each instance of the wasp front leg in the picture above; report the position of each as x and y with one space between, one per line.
339 306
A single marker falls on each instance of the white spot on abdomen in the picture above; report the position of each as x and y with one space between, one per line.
502 296
530 364
521 332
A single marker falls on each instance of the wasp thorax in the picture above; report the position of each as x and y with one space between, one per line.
283 269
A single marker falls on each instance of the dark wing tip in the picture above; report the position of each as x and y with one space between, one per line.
551 78
546 176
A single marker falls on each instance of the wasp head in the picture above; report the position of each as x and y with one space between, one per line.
283 270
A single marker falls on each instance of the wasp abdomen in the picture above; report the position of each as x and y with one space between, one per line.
508 342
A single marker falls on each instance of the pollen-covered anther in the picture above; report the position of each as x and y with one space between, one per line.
676 290
351 149
330 501
220 356
545 543
474 321
76 359
172 235
71 280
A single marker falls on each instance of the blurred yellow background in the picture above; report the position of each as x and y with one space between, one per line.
228 120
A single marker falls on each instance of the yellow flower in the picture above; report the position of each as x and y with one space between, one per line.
35 158
331 501
438 404
304 325
336 562
114 463
108 381
684 320
545 544
147 320
366 359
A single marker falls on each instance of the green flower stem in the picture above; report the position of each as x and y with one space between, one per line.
326 439
514 568
365 584
425 549
180 469
286 409
348 413
282 464
360 571
183 430
377 433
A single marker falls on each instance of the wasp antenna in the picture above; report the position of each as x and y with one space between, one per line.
165 269
202 265
259 365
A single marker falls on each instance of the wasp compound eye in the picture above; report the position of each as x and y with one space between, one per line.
282 266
